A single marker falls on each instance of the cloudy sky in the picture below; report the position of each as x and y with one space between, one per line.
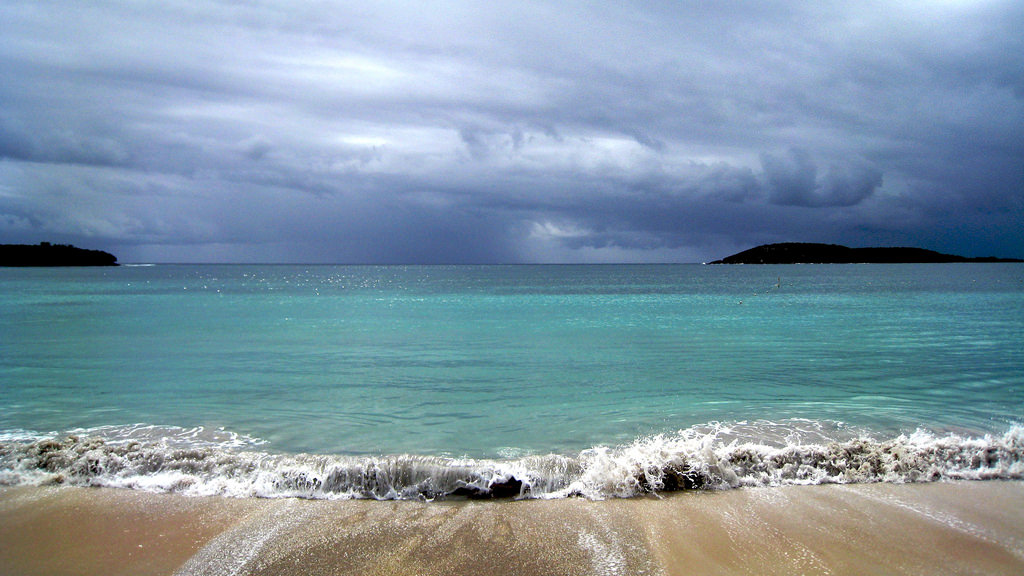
548 131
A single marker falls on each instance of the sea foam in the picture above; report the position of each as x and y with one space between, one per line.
712 457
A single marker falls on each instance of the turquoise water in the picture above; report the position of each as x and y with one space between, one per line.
503 362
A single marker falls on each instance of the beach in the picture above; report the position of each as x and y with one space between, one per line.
944 527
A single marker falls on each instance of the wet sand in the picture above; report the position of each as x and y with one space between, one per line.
947 528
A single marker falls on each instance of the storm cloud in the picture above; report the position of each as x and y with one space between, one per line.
793 180
511 131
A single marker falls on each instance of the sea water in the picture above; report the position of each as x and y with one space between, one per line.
543 381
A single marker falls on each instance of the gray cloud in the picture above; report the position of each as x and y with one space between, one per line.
386 132
793 180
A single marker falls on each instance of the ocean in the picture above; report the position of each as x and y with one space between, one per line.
532 382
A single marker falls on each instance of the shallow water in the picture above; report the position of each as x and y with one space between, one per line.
550 367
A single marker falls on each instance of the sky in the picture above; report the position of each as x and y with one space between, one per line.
509 132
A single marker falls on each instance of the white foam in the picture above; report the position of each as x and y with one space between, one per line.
168 436
20 435
714 456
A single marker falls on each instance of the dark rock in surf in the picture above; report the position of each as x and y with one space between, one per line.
682 479
673 480
507 489
510 488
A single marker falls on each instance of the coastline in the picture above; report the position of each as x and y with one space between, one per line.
815 253
942 527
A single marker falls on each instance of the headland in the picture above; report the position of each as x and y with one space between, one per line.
811 253
46 254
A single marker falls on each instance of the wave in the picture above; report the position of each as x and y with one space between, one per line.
712 457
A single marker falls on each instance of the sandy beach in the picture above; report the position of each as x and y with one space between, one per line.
949 528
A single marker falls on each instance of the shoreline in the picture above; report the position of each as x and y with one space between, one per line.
942 527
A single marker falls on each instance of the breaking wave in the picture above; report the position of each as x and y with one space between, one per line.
715 456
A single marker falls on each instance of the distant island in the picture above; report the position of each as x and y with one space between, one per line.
809 253
46 254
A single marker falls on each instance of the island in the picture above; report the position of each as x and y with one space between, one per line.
810 253
46 254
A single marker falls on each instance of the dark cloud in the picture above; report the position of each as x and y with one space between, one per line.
793 180
664 131
67 145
